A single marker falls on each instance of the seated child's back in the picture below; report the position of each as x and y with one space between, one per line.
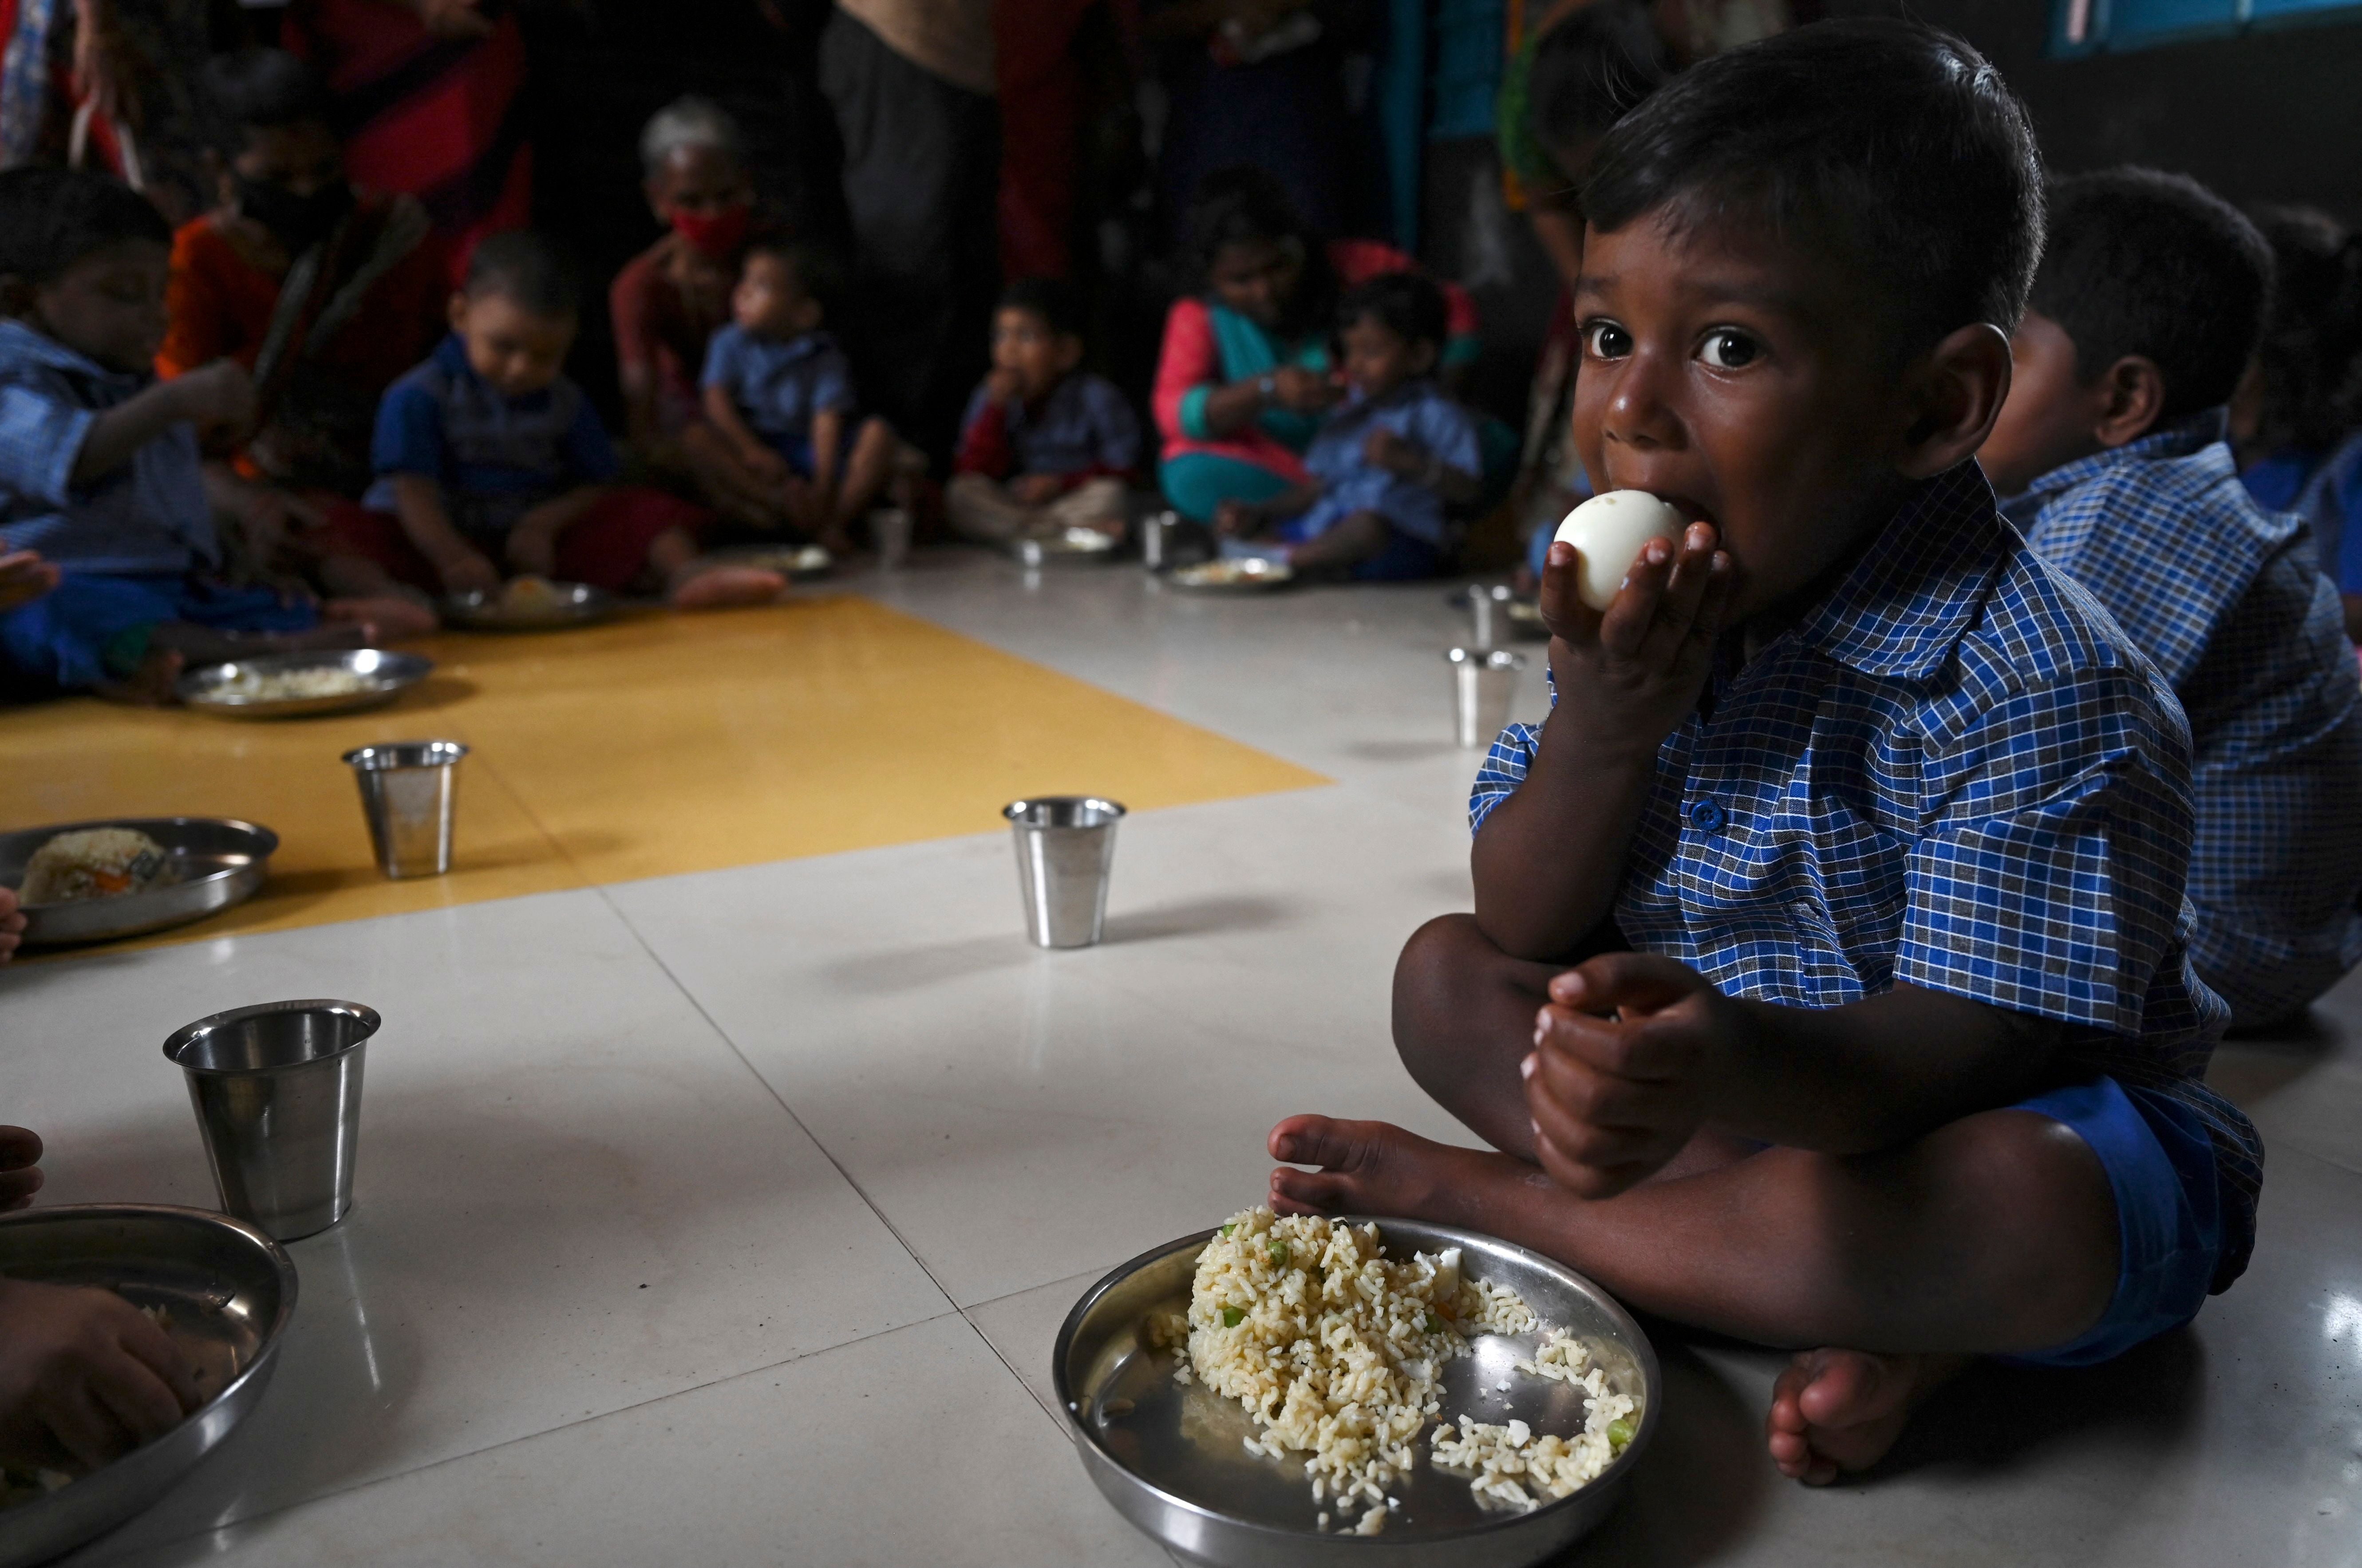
2144 316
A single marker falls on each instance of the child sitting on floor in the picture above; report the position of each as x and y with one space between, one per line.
1045 444
99 467
778 390
1827 985
1387 460
2145 312
489 459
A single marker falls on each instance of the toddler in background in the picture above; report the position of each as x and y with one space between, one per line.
489 459
2145 314
1045 444
778 390
1387 460
99 465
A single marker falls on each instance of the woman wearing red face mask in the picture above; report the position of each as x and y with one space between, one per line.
672 298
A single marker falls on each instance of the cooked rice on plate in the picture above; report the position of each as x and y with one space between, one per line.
96 863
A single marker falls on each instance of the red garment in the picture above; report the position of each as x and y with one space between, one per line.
607 548
656 331
437 118
984 445
1040 85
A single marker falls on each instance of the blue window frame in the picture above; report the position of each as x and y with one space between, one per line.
2089 27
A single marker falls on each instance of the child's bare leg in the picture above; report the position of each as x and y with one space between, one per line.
693 582
866 473
726 484
1358 538
981 509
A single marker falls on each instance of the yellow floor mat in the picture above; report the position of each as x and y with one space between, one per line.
655 744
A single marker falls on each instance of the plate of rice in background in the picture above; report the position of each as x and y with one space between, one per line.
97 881
529 604
1240 574
798 563
302 685
1295 1390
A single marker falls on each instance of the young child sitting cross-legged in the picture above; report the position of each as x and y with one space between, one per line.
1045 444
1387 460
1827 985
2146 311
778 390
490 460
99 462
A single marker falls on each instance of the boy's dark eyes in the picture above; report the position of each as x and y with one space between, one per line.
1605 340
1727 349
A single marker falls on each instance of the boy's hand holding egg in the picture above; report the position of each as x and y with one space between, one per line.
1633 599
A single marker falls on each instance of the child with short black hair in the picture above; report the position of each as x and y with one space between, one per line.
99 464
2144 317
1045 444
780 392
1826 983
491 460
1388 461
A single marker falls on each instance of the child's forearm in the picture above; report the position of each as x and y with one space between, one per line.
827 435
1549 861
1881 1072
722 413
418 502
115 435
560 513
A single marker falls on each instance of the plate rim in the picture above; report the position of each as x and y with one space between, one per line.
271 848
187 688
1653 1378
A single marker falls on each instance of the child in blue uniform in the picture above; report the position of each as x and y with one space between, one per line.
99 468
2112 448
1388 461
1827 984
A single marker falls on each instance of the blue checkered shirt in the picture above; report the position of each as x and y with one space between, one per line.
1953 772
2230 602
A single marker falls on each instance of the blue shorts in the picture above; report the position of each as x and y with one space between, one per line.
2161 1165
92 627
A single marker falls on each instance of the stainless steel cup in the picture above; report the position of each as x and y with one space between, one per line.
1484 683
1065 845
1156 539
1489 614
890 531
410 793
277 1093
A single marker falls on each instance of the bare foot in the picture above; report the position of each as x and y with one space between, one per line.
719 587
1835 1410
1375 1167
386 618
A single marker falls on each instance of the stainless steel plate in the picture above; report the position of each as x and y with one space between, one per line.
1067 545
798 563
1172 1458
567 605
226 1291
221 861
377 676
1246 574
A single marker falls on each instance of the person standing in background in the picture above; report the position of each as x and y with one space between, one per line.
911 85
426 96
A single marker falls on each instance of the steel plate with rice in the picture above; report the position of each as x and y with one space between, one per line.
1192 1468
301 685
221 1288
797 563
529 604
1067 545
208 865
1243 574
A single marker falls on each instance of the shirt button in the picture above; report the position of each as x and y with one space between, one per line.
1706 815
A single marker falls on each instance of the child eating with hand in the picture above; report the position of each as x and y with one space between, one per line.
778 390
491 461
1827 984
1045 444
1388 461
99 464
2113 446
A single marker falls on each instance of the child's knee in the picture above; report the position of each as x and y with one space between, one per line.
1441 964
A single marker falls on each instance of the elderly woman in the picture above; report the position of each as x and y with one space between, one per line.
1245 373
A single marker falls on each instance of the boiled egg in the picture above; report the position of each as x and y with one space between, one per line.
1608 532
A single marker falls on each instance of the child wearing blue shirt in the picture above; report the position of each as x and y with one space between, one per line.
1045 445
491 460
99 467
2112 445
778 390
1388 459
1827 984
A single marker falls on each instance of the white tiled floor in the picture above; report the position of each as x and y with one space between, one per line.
727 1218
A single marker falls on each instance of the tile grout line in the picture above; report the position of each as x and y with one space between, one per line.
390 1477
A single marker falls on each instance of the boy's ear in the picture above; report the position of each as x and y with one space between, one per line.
808 316
1954 397
2132 396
